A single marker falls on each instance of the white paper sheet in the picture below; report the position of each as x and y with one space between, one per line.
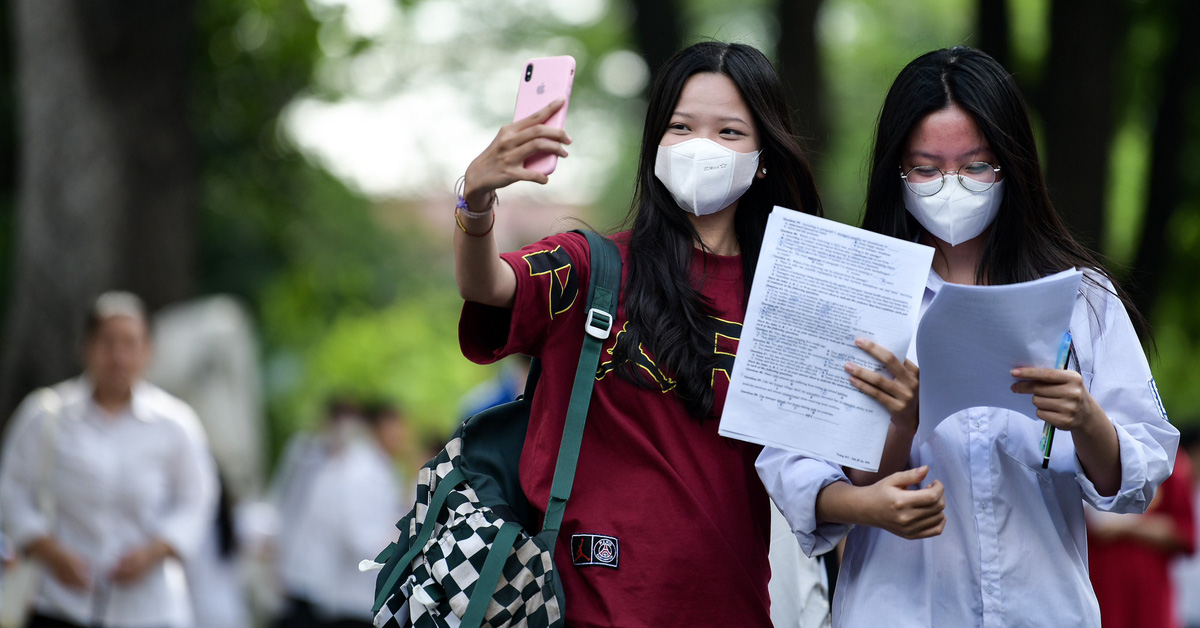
818 285
971 338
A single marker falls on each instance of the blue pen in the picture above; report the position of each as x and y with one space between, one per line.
1064 353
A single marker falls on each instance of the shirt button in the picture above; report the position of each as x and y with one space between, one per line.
978 424
989 589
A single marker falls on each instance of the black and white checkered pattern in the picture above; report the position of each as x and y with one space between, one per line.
434 590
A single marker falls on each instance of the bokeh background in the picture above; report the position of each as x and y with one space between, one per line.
298 157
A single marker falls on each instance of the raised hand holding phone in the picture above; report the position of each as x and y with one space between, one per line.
544 81
529 148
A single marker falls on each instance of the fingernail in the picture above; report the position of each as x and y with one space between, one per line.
1016 372
858 342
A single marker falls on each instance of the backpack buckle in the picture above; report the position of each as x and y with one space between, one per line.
599 323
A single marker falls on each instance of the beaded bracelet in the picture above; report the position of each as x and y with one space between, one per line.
461 206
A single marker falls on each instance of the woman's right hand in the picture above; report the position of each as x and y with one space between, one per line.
888 504
503 161
908 513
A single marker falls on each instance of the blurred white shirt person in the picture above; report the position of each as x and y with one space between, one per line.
133 486
339 503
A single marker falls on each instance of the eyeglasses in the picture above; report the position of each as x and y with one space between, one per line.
976 176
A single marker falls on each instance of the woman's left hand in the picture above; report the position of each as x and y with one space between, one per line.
1060 397
898 394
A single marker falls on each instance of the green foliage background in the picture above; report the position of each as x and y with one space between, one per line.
349 303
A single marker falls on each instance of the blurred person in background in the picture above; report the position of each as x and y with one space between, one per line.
1185 571
391 429
132 485
506 386
214 572
338 503
1129 555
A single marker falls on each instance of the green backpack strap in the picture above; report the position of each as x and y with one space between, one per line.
603 291
489 574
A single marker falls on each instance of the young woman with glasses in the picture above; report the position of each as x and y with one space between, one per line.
991 538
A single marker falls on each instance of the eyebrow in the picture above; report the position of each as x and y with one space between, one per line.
973 151
684 114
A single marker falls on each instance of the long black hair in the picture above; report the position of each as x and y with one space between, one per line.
1028 239
668 315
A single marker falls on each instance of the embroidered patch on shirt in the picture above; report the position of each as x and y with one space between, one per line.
1157 399
595 549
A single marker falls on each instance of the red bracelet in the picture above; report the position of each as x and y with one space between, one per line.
458 222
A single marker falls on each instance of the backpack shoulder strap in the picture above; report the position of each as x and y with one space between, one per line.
603 291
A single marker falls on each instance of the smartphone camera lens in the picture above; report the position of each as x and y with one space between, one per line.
528 72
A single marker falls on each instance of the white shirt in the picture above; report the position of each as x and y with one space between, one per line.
119 482
1014 549
349 514
217 586
798 587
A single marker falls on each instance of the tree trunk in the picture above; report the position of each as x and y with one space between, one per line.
1077 103
993 31
107 189
800 70
1169 167
658 31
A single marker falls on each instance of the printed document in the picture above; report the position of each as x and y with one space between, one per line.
818 285
971 338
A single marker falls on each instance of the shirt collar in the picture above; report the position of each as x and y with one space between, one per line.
934 282
139 406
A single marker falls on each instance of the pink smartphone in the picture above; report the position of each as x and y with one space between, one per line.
545 79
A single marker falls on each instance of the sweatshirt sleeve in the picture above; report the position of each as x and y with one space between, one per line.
793 482
1119 378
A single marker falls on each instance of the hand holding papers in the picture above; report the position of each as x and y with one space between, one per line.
820 284
971 338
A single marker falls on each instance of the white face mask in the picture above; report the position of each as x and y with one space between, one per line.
703 176
955 214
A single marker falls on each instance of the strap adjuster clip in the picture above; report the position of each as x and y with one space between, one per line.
599 323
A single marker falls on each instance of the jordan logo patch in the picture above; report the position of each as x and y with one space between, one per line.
595 549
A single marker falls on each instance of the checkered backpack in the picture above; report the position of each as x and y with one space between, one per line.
464 556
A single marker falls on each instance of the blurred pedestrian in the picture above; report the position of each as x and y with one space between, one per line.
338 504
390 427
215 572
1129 555
1185 572
506 386
131 485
